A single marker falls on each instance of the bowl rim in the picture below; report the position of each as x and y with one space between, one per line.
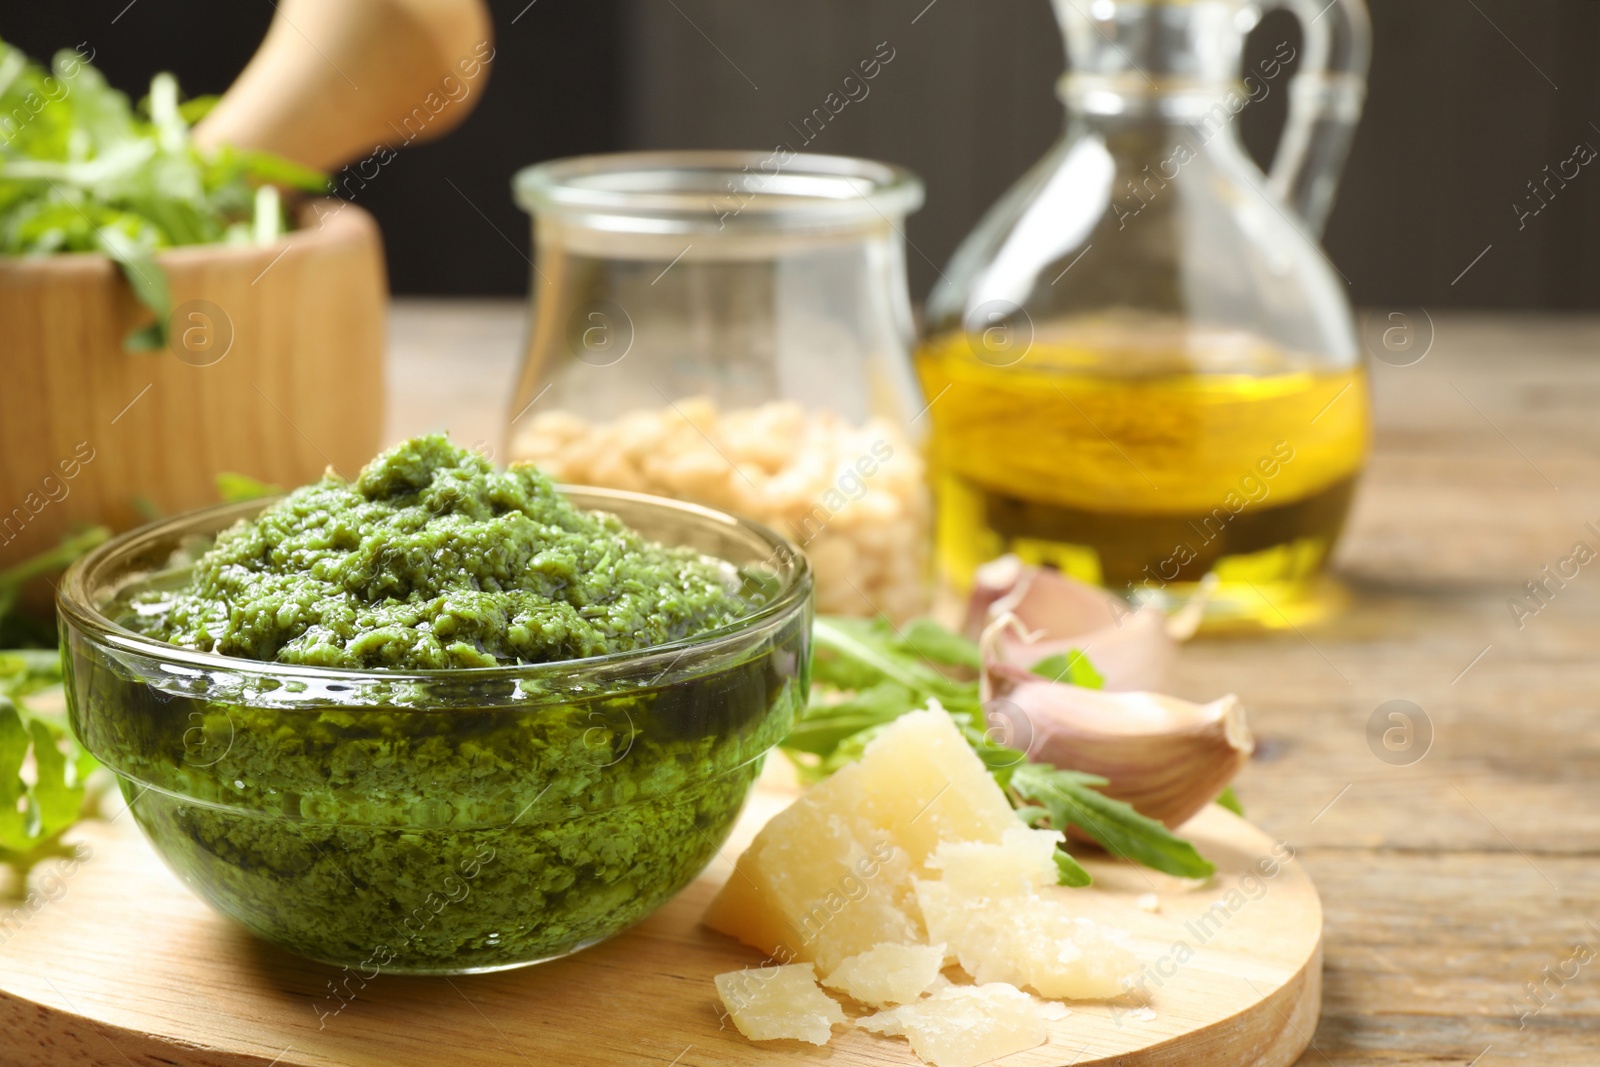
74 608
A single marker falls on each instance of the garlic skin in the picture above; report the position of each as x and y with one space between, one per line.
1166 756
1133 649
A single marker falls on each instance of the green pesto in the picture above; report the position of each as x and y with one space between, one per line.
433 559
453 821
451 832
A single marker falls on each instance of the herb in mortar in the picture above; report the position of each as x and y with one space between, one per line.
80 171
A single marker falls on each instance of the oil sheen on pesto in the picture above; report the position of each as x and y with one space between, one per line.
432 559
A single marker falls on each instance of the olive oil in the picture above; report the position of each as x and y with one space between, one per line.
1150 479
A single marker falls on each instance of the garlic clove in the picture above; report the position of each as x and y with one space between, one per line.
1131 648
1044 598
993 581
1166 756
1133 656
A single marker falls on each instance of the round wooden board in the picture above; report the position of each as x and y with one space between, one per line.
116 964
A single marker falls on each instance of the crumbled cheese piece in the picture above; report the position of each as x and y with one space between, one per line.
1022 862
830 876
888 973
1149 902
772 1003
963 1026
1029 940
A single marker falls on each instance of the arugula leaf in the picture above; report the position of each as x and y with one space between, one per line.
1071 799
44 773
926 638
82 171
857 653
233 487
1072 667
33 812
13 578
57 798
1070 872
43 770
28 670
14 808
197 107
1230 800
266 167
826 726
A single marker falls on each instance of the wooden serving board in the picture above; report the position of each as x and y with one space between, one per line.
119 966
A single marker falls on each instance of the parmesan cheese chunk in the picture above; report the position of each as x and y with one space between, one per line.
888 973
963 1026
831 876
772 1003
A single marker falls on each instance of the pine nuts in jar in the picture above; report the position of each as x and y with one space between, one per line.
853 497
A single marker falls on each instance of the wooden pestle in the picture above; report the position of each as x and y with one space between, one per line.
334 79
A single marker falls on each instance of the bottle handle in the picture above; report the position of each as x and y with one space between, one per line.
1325 99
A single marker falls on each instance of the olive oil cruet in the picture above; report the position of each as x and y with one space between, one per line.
1141 368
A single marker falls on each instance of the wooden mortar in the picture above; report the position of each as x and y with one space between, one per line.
274 370
274 366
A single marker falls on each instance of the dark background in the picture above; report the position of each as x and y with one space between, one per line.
1469 101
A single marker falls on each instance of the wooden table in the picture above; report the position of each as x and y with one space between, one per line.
1451 881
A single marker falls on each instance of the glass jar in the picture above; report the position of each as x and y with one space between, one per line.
733 329
1148 370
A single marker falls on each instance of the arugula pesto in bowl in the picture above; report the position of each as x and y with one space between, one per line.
440 718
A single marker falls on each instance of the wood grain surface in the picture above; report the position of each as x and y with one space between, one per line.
126 967
1452 882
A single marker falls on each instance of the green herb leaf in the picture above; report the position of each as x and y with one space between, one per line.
198 107
71 547
56 799
1230 800
926 638
82 171
826 726
233 487
857 653
43 770
14 808
151 337
265 167
1072 667
33 812
1072 800
1069 872
1000 760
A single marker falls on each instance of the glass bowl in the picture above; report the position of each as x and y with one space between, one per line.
447 821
